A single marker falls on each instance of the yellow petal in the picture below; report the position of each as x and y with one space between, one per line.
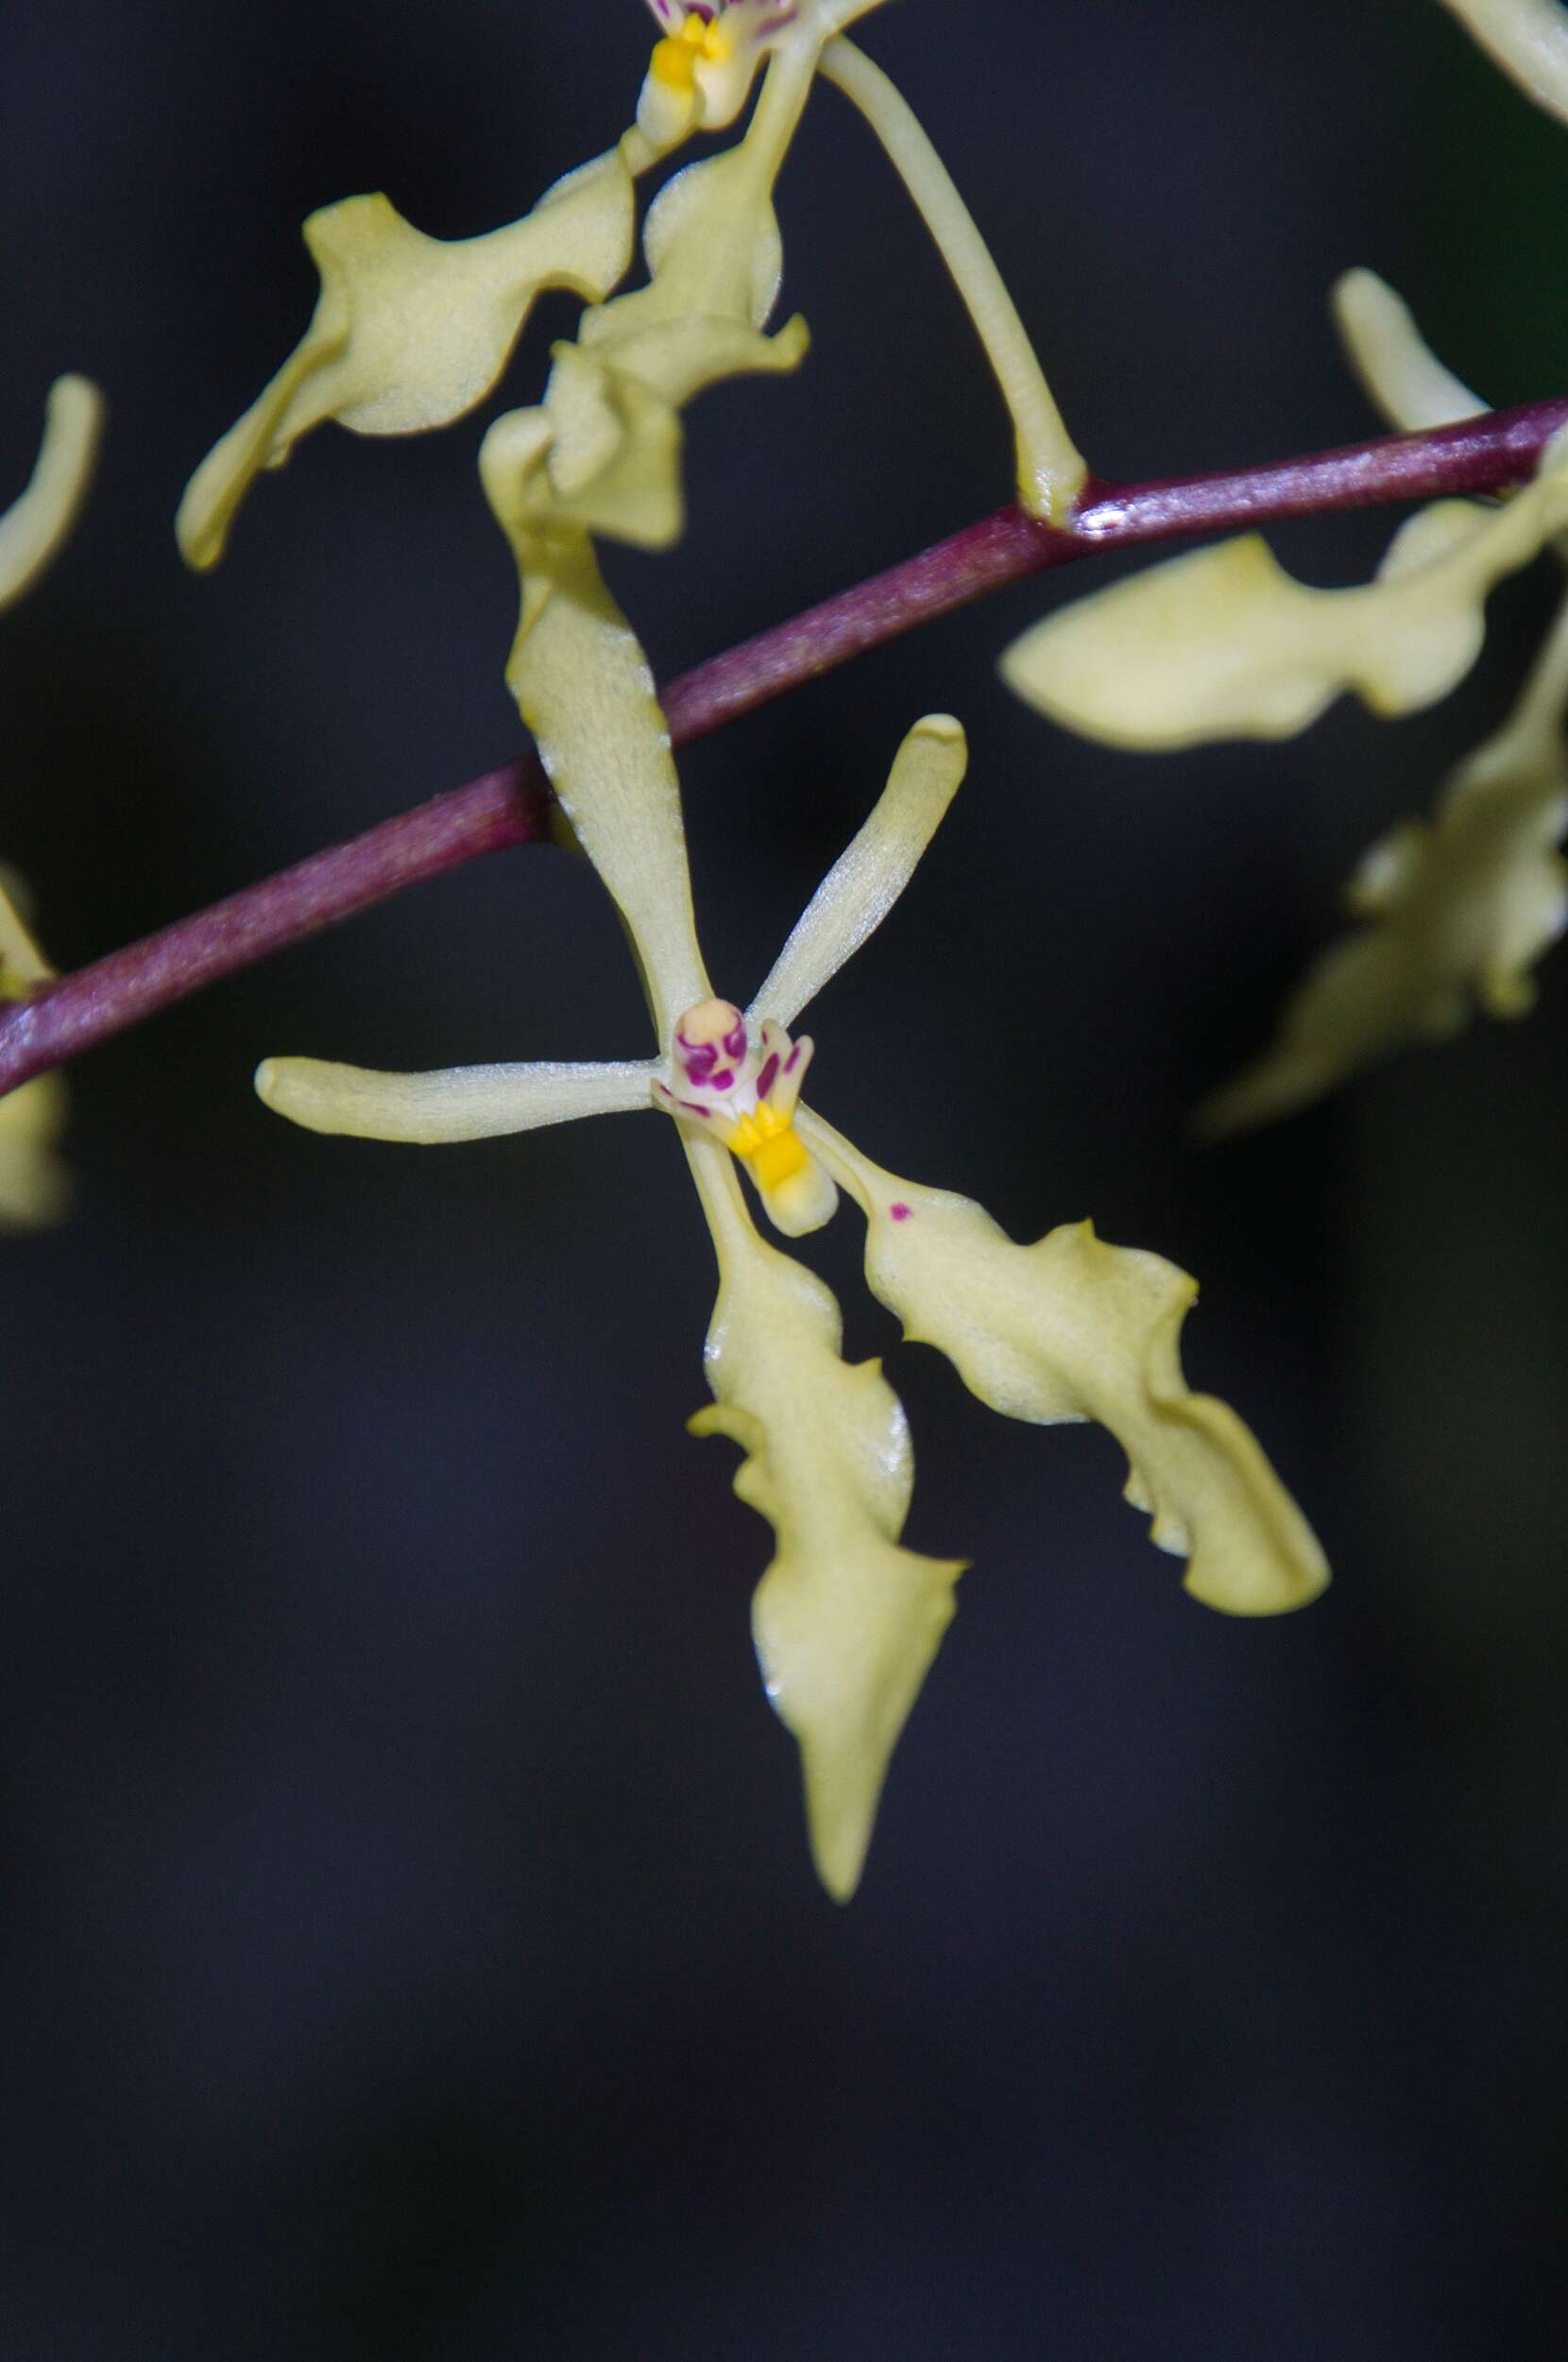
845 1622
1399 370
1225 644
1528 39
607 751
410 331
22 963
1071 1329
612 460
870 875
460 1102
1462 908
35 526
34 1186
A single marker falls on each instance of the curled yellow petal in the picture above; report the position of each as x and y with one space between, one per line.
36 525
1458 909
1225 644
1528 39
845 1622
1401 374
1071 1329
460 1102
410 331
871 872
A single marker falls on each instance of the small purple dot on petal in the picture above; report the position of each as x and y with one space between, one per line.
720 1082
899 1211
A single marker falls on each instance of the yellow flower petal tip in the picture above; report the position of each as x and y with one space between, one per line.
35 526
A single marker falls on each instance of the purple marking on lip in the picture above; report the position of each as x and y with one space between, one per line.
698 1058
765 1079
899 1211
720 1082
735 1043
790 1061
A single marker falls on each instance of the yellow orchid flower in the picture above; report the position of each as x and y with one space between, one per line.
845 1620
410 332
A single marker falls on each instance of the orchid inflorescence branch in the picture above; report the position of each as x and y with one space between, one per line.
410 333
63 1015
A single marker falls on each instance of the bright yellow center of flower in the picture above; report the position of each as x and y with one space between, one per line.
767 1143
675 58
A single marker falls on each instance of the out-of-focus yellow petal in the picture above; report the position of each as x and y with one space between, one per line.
1225 644
1401 372
1460 908
845 1622
410 331
35 1187
36 525
1071 1329
22 963
460 1102
1528 39
871 872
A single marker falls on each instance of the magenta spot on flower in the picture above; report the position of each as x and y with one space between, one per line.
735 1042
698 1058
791 1061
899 1211
720 1082
765 1079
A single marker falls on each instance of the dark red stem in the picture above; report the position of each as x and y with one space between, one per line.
512 806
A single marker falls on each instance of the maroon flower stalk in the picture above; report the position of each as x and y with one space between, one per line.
513 805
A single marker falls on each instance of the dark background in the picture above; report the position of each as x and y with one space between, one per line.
409 1945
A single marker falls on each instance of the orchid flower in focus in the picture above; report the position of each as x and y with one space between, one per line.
845 1620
